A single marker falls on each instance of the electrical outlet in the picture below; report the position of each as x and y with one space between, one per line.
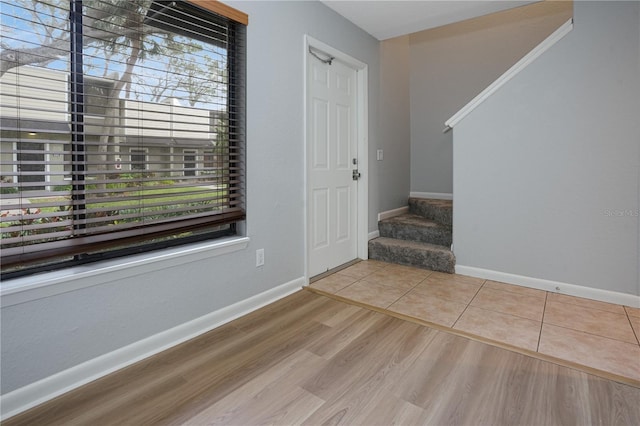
259 257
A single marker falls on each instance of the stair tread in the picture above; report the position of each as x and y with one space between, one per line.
412 253
440 211
447 204
410 244
412 219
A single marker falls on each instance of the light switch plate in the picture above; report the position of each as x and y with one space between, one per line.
259 257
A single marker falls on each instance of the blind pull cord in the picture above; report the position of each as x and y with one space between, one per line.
324 61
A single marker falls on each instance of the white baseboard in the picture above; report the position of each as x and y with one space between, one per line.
43 390
374 234
552 286
432 195
392 213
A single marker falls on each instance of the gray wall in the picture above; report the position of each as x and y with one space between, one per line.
450 65
394 118
45 336
546 176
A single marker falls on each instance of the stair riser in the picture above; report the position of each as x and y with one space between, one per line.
440 214
439 236
435 261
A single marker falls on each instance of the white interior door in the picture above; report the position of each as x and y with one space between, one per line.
332 157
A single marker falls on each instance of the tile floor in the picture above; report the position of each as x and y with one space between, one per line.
596 334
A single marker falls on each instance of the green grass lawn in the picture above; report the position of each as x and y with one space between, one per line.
182 195
129 209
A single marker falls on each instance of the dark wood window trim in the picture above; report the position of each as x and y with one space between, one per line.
223 9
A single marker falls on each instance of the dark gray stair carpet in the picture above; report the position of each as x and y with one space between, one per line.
440 211
412 253
415 228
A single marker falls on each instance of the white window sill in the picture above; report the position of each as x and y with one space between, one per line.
38 286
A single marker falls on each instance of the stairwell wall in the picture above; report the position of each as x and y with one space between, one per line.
546 171
450 65
394 137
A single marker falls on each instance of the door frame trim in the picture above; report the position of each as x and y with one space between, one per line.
362 102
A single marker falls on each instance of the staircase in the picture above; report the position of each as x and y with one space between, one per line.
420 238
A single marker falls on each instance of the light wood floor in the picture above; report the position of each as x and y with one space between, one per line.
308 359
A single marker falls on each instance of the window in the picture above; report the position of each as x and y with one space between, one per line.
86 86
138 159
190 164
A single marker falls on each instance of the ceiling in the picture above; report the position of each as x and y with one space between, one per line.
385 19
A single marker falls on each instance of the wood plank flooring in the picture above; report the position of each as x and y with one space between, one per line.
308 359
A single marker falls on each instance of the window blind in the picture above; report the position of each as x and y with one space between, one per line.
122 126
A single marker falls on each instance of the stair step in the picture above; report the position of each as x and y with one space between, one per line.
440 211
415 228
412 253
